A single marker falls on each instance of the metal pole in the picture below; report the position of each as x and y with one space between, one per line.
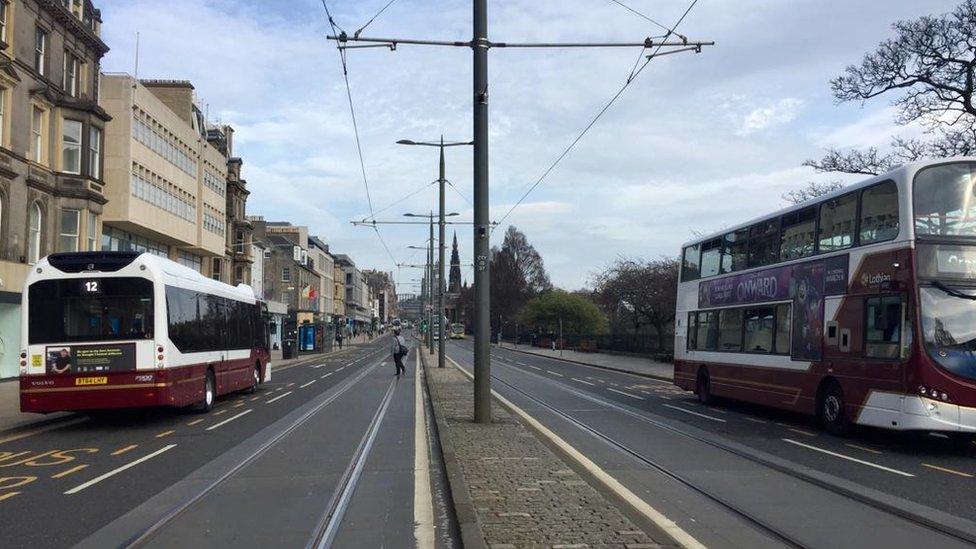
482 324
430 289
560 337
440 269
516 334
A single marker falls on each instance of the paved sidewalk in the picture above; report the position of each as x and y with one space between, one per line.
522 495
631 364
12 419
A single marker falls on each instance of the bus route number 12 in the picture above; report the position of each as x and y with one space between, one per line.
91 286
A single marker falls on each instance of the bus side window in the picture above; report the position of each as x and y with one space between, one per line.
692 341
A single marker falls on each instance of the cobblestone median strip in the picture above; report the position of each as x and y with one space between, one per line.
521 493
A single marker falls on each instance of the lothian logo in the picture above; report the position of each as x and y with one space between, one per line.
875 279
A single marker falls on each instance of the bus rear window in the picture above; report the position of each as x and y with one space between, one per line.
91 309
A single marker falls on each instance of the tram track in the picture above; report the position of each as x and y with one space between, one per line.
852 493
149 533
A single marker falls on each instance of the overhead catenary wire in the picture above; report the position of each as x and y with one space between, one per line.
589 126
373 18
403 199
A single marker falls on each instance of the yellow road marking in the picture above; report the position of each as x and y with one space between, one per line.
799 431
194 422
864 448
218 412
946 470
166 433
239 404
8 495
127 448
69 471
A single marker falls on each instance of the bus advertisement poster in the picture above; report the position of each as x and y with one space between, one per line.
91 358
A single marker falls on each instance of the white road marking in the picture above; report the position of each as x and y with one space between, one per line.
282 395
554 373
687 411
327 375
848 458
230 419
114 472
625 393
582 381
535 368
307 384
423 506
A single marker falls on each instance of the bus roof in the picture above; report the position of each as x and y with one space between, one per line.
896 174
166 270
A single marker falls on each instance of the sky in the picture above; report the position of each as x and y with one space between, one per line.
695 143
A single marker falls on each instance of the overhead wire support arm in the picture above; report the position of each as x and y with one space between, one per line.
393 42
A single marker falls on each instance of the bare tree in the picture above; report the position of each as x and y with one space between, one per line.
517 275
931 64
812 190
643 291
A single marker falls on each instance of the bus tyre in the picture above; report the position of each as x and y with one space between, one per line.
255 379
209 394
831 410
703 387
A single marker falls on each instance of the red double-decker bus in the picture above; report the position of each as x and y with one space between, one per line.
858 306
126 329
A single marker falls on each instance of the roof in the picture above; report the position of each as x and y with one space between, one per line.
901 172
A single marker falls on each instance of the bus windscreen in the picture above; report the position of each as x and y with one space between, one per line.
90 309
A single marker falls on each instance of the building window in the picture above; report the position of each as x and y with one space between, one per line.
216 269
267 254
4 10
286 274
77 9
71 71
37 134
3 111
34 220
68 237
192 261
117 240
92 232
40 49
95 153
71 147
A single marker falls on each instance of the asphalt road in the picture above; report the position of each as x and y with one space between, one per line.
259 470
747 476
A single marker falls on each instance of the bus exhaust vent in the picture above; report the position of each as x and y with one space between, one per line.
76 262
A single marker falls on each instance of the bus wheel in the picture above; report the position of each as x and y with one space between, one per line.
209 394
256 379
830 409
704 387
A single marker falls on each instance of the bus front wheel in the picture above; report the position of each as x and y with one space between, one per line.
831 410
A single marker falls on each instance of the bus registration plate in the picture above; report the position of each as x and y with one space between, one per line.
91 380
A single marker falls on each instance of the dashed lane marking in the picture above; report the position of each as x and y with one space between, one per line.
194 422
582 381
692 412
282 395
219 412
8 495
626 394
754 420
230 419
307 384
292 384
325 376
802 432
166 433
239 404
554 373
864 448
535 367
118 470
67 472
947 470
848 458
121 451
252 399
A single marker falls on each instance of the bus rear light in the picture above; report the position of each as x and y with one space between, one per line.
159 357
921 390
944 396
159 349
23 354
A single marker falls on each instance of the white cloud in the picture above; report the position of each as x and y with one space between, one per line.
762 118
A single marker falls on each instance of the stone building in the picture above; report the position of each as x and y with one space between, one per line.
288 273
384 292
324 265
52 133
165 173
239 229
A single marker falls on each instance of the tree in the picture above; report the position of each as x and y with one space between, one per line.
812 190
642 291
579 315
931 64
517 275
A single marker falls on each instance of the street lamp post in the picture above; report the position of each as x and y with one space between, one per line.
432 274
442 179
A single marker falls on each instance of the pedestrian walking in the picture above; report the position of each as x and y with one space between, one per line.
339 336
400 351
